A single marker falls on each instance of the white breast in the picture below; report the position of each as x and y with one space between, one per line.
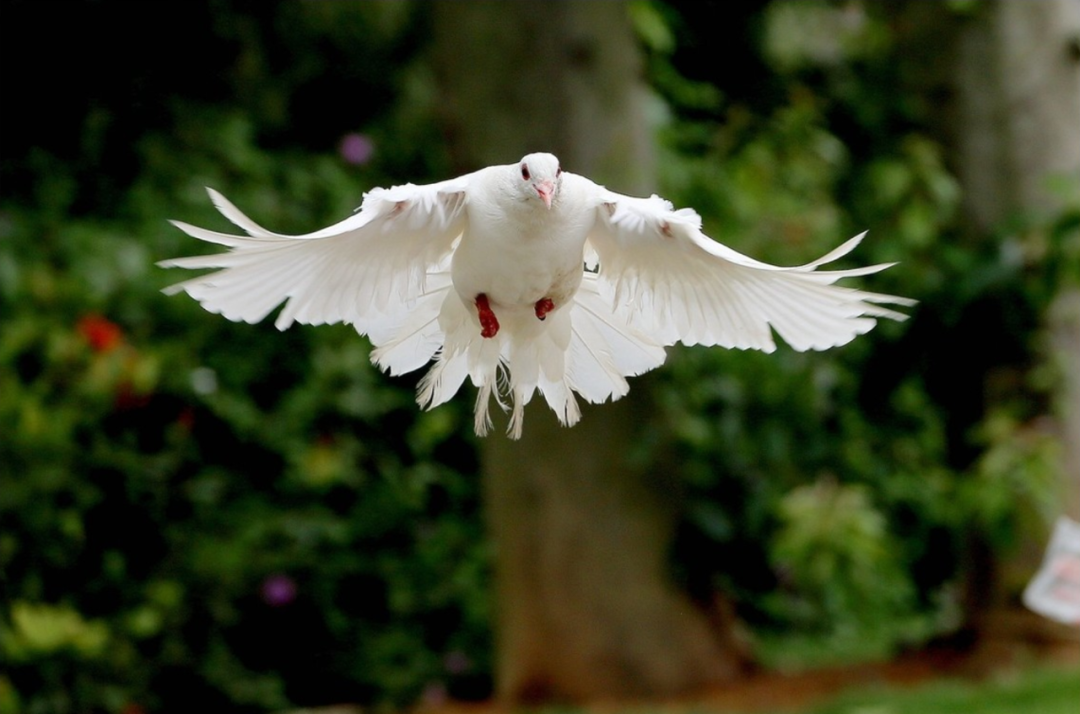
518 252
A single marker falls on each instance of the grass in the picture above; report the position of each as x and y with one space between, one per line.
1041 691
1037 691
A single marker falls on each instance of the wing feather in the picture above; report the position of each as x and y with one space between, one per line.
688 288
358 271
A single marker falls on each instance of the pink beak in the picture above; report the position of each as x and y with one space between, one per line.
545 189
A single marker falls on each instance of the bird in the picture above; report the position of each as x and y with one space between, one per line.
525 278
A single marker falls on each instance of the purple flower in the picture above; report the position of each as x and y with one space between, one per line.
356 148
278 590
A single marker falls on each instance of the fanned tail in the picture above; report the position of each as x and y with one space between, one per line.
587 348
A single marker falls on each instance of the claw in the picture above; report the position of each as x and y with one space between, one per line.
543 307
489 324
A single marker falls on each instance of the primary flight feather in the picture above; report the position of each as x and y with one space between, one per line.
531 272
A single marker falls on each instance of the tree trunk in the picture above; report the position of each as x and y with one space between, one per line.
585 606
1017 85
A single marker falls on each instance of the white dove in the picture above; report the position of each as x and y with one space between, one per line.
525 277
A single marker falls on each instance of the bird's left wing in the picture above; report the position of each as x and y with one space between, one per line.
686 287
360 271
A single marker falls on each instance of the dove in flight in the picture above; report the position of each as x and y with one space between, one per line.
525 277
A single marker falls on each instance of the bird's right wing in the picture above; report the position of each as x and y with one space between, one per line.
369 266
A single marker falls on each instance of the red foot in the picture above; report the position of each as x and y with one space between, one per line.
543 307
489 324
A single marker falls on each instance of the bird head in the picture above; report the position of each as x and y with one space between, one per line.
540 176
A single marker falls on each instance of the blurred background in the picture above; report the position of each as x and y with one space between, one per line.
200 515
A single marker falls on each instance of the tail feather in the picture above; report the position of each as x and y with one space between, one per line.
481 418
604 348
560 397
409 342
441 382
517 414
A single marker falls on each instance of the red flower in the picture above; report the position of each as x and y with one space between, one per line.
102 334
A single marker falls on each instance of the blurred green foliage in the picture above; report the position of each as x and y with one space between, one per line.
843 498
197 513
164 469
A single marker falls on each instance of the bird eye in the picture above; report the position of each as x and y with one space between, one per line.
525 172
558 172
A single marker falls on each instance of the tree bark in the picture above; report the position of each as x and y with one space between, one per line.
585 606
1017 85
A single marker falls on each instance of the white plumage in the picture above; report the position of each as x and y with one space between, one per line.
522 278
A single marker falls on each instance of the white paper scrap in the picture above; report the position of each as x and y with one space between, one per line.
1054 592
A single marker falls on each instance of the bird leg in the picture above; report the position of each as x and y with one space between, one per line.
543 307
489 324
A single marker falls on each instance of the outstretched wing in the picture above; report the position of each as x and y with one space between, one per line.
688 288
360 271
